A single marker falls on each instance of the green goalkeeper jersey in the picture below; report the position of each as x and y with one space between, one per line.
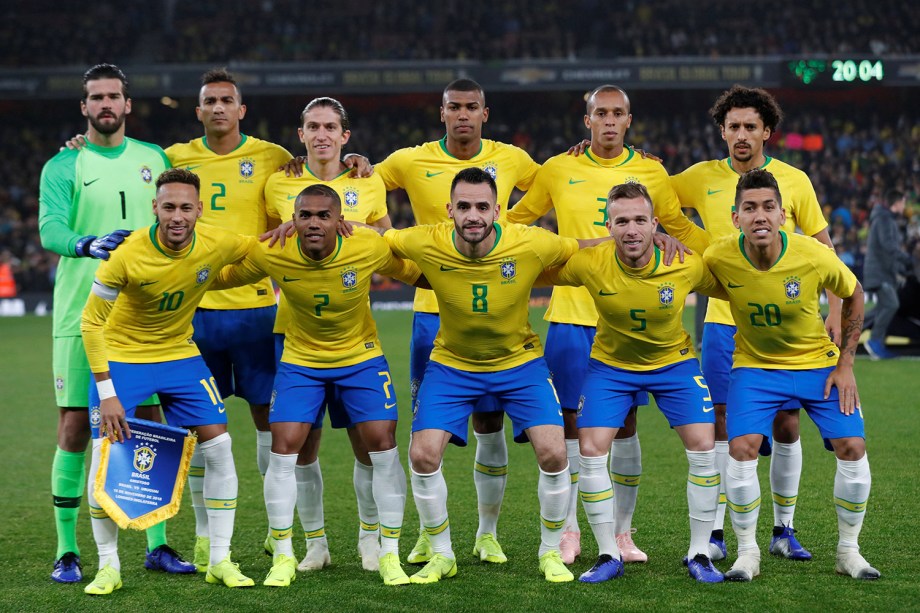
92 191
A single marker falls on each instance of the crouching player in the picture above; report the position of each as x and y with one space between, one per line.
331 339
138 336
783 353
641 346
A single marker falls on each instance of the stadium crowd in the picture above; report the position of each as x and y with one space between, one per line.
286 30
851 163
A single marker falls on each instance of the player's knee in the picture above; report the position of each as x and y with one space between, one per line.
849 449
259 414
424 462
73 430
786 426
744 448
570 423
487 423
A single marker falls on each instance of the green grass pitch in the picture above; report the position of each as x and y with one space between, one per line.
890 539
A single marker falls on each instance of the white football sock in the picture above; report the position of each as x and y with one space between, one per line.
430 493
368 517
742 488
196 488
573 453
280 488
785 473
390 496
309 479
721 467
263 450
490 474
105 531
220 492
626 471
852 483
596 494
553 492
702 499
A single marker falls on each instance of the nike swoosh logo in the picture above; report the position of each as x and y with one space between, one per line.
146 283
733 286
430 174
709 481
88 183
573 181
288 279
447 268
222 410
710 192
290 197
630 480
705 410
192 167
603 293
389 405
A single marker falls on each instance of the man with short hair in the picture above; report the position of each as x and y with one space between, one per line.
885 260
782 354
233 328
324 130
747 118
330 341
105 186
576 187
426 173
137 328
641 347
482 273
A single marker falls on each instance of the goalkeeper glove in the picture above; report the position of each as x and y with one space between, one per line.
99 247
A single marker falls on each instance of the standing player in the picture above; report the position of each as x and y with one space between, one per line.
782 354
482 273
137 329
747 118
577 186
330 340
426 173
233 328
641 350
85 193
324 130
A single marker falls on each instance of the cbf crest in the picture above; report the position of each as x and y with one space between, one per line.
349 277
666 294
144 456
508 268
351 197
202 274
793 288
146 174
247 167
492 170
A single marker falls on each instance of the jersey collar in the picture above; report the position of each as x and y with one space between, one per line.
443 143
108 152
767 160
172 255
204 141
781 253
640 273
619 160
498 237
326 260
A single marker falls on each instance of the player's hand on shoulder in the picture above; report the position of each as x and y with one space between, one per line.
279 234
76 143
645 155
347 228
100 247
293 167
360 166
576 150
670 247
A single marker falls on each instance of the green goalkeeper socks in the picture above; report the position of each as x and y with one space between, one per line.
68 478
156 535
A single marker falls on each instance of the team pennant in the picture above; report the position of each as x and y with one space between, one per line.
140 481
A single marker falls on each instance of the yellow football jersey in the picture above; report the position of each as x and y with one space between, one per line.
640 325
158 292
332 324
232 187
709 187
426 172
484 302
363 200
577 188
776 311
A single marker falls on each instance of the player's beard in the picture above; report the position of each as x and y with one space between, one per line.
110 127
485 235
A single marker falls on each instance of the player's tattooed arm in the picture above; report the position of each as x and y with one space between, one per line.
852 315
